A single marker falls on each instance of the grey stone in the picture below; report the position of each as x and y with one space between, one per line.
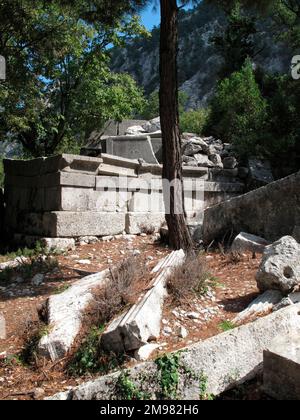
64 314
131 147
134 130
203 161
153 125
137 222
216 160
270 212
245 242
144 353
282 367
2 327
226 360
260 173
262 305
58 244
280 266
142 323
230 163
38 279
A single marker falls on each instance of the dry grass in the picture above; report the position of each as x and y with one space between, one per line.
191 278
126 283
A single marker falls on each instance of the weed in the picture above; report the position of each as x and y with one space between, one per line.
127 390
89 359
169 366
203 394
147 229
227 326
33 333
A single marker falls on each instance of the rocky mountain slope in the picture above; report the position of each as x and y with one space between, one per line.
199 62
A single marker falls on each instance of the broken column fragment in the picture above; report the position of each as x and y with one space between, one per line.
142 323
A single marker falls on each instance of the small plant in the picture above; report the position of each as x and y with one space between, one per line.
34 331
203 394
227 326
127 390
147 229
89 359
191 278
169 366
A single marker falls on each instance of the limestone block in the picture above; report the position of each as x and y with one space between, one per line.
282 367
65 314
75 224
2 327
142 322
245 242
135 222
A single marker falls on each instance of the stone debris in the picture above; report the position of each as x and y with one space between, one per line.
37 280
145 352
280 266
245 242
64 314
262 305
142 323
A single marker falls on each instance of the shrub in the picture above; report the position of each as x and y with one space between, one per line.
189 279
239 112
194 121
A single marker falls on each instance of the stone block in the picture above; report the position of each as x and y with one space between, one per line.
137 222
76 224
282 367
245 242
132 147
2 327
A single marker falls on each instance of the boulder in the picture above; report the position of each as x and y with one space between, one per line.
230 163
191 148
204 161
280 266
216 160
134 130
245 242
65 313
144 353
152 126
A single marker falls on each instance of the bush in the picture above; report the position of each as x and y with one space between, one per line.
239 111
194 121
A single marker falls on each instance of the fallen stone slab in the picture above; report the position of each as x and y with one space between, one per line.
262 305
65 312
13 264
282 368
245 242
145 352
142 322
219 363
280 266
2 327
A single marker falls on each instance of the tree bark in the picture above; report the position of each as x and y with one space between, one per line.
179 235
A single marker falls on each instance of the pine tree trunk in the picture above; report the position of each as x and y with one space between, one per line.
179 236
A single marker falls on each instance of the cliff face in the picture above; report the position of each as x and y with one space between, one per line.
199 62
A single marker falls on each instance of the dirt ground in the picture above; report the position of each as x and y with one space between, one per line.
232 289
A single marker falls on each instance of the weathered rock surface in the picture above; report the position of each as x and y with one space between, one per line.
225 360
270 212
145 352
64 313
280 266
260 173
260 306
282 368
152 126
142 322
245 242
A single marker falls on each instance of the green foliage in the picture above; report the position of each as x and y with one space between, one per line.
227 326
169 366
203 394
236 43
59 85
151 108
126 390
239 112
194 121
89 359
